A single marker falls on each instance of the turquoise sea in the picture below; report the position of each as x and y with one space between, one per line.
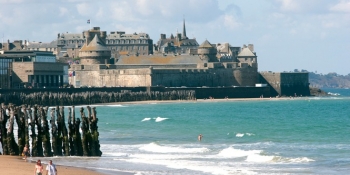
309 135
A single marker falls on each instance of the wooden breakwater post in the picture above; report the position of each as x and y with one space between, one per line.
59 142
49 98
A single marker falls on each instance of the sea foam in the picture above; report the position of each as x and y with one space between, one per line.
259 158
159 119
233 153
146 119
116 106
153 147
239 135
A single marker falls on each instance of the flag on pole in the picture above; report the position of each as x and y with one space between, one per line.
88 21
73 73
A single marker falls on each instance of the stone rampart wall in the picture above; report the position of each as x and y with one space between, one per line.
192 77
246 76
272 79
286 84
167 66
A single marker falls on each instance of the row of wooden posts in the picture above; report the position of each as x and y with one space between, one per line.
33 125
92 97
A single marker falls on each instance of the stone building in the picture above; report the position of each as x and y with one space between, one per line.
94 51
40 46
35 69
14 46
227 53
179 44
170 70
207 52
117 41
5 72
136 43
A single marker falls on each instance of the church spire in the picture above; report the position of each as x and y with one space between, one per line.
184 31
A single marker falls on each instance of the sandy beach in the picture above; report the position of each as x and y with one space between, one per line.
16 165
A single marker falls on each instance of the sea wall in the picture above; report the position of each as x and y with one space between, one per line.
229 92
286 83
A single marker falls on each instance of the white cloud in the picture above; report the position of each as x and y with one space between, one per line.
343 6
289 5
85 9
63 11
10 1
231 22
304 6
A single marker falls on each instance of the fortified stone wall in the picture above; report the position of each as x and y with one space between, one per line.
125 77
246 76
101 76
205 77
160 66
229 92
93 60
273 80
190 77
287 84
295 84
107 75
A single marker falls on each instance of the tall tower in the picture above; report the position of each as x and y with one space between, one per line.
207 52
184 31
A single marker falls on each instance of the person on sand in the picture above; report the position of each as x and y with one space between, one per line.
38 168
51 169
25 152
200 137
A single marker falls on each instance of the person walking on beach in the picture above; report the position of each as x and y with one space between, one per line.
38 168
25 152
51 169
200 137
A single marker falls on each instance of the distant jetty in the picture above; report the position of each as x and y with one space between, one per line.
317 92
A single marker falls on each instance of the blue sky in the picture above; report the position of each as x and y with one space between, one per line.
287 34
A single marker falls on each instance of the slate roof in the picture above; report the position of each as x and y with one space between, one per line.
68 36
206 44
158 59
95 45
185 42
128 36
246 52
73 46
52 44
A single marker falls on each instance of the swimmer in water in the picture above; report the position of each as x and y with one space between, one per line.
200 137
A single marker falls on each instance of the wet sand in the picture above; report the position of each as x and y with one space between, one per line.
16 165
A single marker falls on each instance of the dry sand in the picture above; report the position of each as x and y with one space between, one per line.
16 165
